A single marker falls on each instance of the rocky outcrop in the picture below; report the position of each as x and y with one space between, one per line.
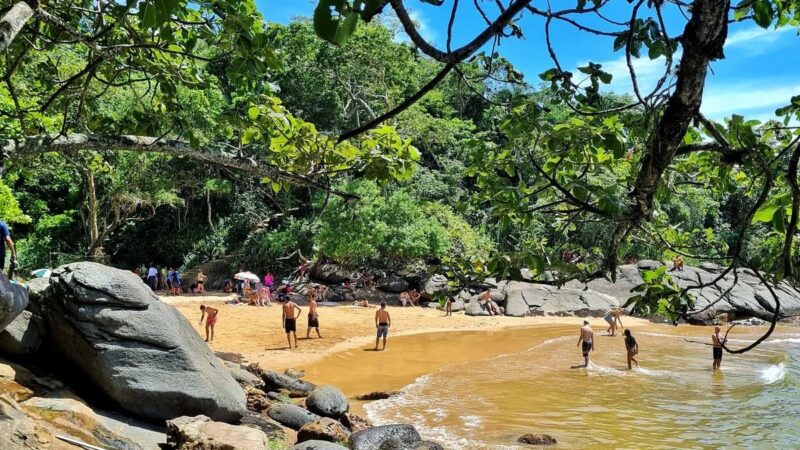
375 438
537 439
291 416
318 445
475 308
272 429
524 299
140 352
13 300
200 432
393 283
377 395
355 423
329 273
327 401
216 272
242 376
324 429
257 399
22 336
274 381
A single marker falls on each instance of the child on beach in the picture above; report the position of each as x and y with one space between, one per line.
632 348
210 321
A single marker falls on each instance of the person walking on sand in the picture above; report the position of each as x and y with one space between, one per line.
632 348
717 341
313 318
382 322
587 339
201 279
213 313
613 317
289 319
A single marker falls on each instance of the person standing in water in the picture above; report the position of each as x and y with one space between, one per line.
290 320
210 321
313 318
717 342
382 322
587 339
632 348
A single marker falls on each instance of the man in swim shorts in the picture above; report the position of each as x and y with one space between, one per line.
717 341
382 322
289 319
313 317
587 338
210 321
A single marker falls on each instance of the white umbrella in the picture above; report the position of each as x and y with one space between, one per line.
247 276
42 273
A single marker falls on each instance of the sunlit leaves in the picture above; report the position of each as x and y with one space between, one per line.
336 20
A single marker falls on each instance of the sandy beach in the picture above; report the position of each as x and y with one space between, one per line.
253 334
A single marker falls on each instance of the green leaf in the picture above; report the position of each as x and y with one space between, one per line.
250 135
335 21
253 112
763 13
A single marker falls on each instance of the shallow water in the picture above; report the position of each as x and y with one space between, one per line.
474 401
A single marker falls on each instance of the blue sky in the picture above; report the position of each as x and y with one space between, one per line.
759 74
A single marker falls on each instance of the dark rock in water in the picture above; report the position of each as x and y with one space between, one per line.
200 432
13 300
261 422
374 438
22 336
257 400
378 395
329 273
216 272
393 283
537 439
274 381
294 373
327 401
318 445
355 423
291 416
139 351
324 429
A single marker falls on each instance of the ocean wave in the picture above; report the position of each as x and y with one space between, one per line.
652 372
471 421
773 374
596 369
786 341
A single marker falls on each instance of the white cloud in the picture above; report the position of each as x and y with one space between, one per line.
754 101
754 36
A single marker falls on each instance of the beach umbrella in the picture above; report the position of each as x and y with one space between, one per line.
42 273
246 276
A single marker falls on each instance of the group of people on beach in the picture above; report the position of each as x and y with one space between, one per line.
169 279
613 317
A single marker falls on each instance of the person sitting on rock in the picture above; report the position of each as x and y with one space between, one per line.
677 262
213 313
414 297
405 298
491 307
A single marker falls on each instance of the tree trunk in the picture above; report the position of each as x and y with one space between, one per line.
14 20
208 202
95 249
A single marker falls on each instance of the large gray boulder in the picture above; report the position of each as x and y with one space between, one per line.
23 336
216 272
324 429
327 401
139 351
537 299
200 432
375 437
393 283
13 300
329 273
291 416
474 308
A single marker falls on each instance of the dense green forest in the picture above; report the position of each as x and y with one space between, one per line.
487 173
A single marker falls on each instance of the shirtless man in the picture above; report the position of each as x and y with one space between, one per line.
313 318
290 320
382 323
201 279
405 299
587 338
717 341
210 321
613 317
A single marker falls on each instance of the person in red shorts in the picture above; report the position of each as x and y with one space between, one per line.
213 313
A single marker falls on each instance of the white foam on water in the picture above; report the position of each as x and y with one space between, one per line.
471 421
787 341
596 369
652 372
773 374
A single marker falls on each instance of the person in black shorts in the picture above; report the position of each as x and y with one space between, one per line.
289 318
717 341
586 341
